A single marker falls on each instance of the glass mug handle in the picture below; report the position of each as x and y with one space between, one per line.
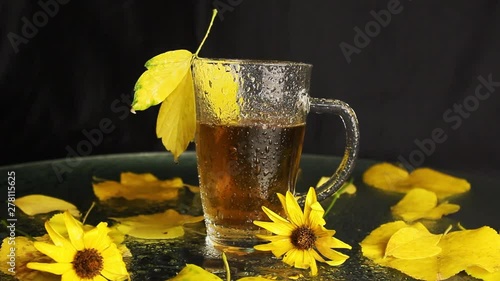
344 170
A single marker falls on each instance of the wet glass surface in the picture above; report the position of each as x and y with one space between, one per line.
353 217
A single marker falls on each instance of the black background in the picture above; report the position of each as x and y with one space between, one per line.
81 65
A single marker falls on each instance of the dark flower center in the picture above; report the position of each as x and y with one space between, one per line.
303 238
88 263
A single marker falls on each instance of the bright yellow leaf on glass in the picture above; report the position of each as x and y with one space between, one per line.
166 225
139 186
483 274
35 204
413 242
460 250
419 203
442 184
386 176
390 177
193 272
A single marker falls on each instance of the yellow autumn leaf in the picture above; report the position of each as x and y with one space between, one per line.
176 123
390 177
168 80
460 250
483 274
193 272
442 184
139 186
25 252
419 203
164 225
35 204
386 176
164 74
413 242
220 84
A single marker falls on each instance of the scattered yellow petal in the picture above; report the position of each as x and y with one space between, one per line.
41 204
419 203
480 273
254 279
460 250
389 177
24 252
193 272
442 184
139 186
413 242
164 225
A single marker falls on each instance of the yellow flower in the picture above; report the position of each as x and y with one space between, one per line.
87 255
302 235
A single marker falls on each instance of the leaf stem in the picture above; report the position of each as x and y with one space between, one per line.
214 13
226 265
4 223
337 194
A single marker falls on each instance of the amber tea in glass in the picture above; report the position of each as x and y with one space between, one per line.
250 130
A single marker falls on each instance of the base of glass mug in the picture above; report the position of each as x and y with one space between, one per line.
231 237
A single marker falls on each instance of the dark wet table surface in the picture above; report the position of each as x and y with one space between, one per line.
353 216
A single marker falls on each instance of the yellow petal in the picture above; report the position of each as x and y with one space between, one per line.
70 275
278 247
420 203
59 254
275 227
97 238
165 225
54 268
483 274
293 209
57 238
75 231
373 246
176 122
387 177
40 204
442 184
311 198
413 243
165 73
194 273
273 216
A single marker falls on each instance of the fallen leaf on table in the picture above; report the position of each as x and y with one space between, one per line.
139 186
413 242
480 273
460 250
166 225
25 253
35 204
387 177
442 184
193 272
390 177
419 203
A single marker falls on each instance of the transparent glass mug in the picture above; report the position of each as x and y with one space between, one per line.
251 119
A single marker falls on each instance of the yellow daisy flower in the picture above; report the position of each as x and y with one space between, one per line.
302 235
86 256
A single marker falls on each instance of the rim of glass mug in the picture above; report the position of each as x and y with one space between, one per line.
253 61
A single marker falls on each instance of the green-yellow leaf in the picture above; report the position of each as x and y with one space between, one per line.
41 204
165 72
193 272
